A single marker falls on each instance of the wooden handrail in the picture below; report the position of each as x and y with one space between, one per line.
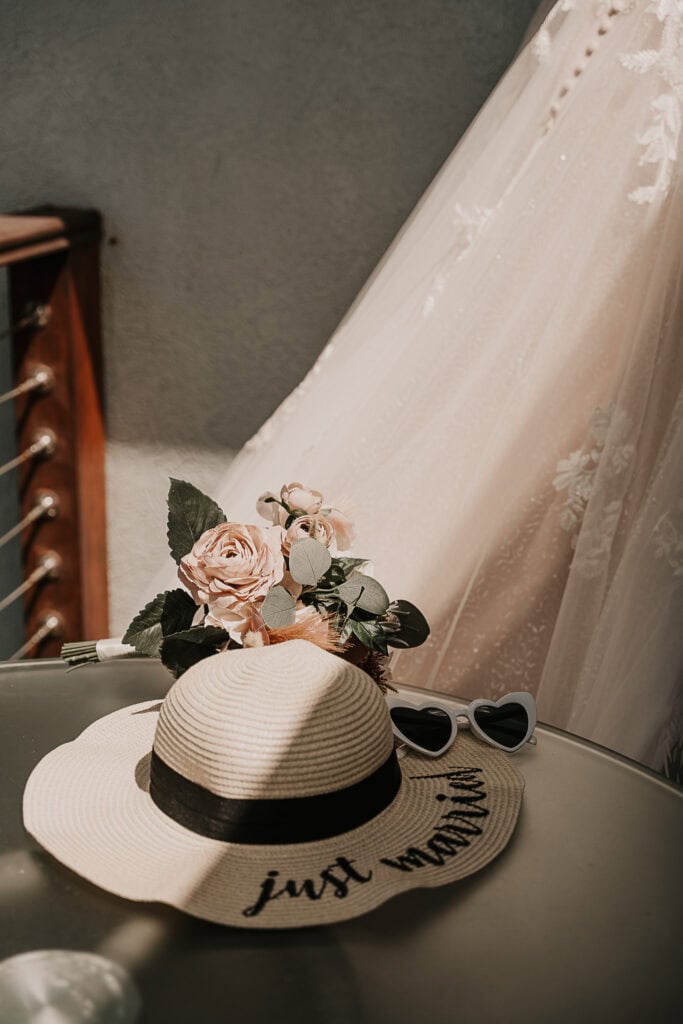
46 229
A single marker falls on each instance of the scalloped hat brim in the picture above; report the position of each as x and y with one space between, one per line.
87 802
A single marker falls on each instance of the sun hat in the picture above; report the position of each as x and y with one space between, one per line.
265 792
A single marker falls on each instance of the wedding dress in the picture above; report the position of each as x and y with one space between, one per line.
501 410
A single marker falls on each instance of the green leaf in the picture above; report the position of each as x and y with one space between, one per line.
278 607
346 631
190 514
349 564
180 651
334 576
411 628
364 592
168 612
371 634
145 632
308 561
178 612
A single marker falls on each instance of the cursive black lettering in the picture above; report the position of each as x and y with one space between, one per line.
341 885
455 829
335 877
357 876
307 888
267 889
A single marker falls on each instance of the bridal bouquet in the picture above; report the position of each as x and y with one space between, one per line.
250 585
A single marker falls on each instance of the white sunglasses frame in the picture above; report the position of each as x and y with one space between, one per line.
521 697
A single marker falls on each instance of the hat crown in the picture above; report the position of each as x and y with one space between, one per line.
288 720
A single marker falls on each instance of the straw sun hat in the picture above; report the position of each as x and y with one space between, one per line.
264 792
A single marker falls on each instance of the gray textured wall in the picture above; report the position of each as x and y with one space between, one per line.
252 159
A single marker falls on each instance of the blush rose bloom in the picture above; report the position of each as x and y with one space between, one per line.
343 528
301 499
230 568
317 527
268 506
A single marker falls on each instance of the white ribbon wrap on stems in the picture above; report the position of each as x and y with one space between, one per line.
112 647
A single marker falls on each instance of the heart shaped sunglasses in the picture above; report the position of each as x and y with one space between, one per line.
431 727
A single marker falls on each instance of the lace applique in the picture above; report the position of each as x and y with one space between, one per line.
660 138
542 42
468 224
578 476
667 538
596 542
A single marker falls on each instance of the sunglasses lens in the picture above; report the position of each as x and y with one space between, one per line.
506 725
428 728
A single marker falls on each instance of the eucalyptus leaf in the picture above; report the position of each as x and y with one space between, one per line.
278 608
410 628
364 592
190 514
180 651
309 560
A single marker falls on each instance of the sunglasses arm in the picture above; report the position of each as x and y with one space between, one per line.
532 740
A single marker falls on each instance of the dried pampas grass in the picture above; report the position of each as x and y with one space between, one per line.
311 626
318 629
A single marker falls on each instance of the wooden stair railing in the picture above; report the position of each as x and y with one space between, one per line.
52 260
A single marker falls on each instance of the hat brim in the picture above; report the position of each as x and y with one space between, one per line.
87 802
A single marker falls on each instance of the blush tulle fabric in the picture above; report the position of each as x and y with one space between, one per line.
501 410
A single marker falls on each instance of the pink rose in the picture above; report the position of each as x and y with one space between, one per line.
316 527
342 526
268 506
230 567
300 499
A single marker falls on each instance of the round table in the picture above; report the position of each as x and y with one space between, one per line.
579 919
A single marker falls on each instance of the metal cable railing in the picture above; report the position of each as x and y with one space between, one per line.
49 625
48 566
37 316
40 379
43 445
57 452
46 507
